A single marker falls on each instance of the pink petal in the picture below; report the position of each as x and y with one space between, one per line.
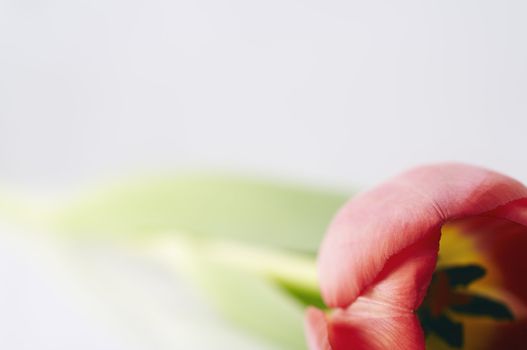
378 256
316 329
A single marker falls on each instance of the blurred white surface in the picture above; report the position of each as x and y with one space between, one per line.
336 92
58 297
37 310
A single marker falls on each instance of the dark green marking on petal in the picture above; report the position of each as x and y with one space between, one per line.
450 331
448 293
462 276
478 305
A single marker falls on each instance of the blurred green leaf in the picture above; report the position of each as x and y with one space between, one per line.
254 304
248 244
265 213
244 283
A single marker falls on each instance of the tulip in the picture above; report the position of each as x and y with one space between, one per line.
434 257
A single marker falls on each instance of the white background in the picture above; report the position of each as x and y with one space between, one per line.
340 93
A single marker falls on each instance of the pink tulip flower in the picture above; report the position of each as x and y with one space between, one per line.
432 255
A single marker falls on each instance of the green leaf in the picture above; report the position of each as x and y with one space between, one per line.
307 297
246 293
254 304
248 244
264 213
